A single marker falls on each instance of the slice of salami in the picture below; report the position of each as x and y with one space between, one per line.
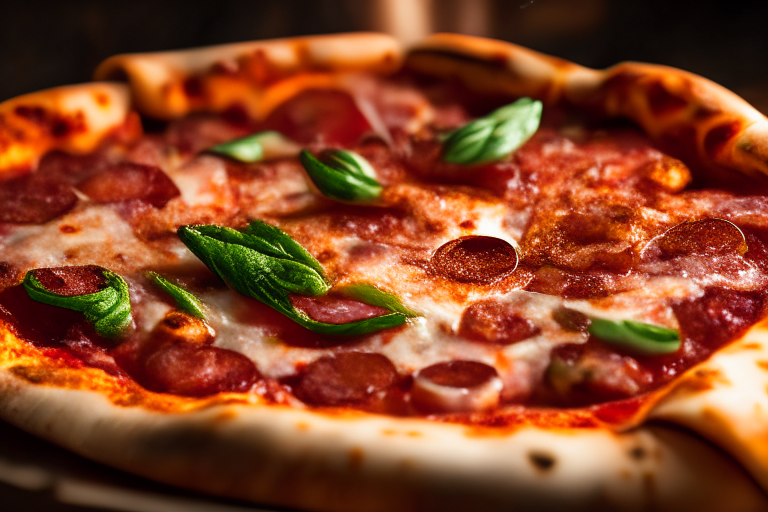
127 181
456 386
346 378
34 200
336 310
495 322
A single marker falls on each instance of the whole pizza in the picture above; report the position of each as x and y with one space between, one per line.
329 274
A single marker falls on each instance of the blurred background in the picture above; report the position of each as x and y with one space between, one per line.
43 44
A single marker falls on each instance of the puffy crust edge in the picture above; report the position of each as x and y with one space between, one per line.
686 114
358 462
254 76
73 118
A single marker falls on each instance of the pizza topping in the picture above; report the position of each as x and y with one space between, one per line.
106 304
319 115
128 181
703 237
345 378
475 259
342 175
456 386
495 322
495 136
257 147
264 263
638 337
186 301
34 200
571 320
335 310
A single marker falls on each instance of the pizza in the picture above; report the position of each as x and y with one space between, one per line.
328 274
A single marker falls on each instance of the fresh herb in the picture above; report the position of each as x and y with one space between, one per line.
108 310
494 136
257 147
185 301
264 263
342 175
636 336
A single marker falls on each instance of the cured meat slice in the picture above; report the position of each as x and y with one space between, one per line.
127 181
456 386
336 310
34 200
495 322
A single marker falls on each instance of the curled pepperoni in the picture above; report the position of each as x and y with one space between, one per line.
71 281
335 310
346 378
319 115
456 386
495 322
127 181
475 259
703 237
34 200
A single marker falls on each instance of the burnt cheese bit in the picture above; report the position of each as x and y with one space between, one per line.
475 259
707 237
347 378
71 281
495 322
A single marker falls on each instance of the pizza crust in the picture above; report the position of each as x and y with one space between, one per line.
73 118
232 445
255 76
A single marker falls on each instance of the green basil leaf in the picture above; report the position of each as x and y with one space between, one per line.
108 310
494 136
257 147
369 294
636 336
185 301
342 175
264 263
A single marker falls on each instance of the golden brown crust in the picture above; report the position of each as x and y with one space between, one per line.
254 76
74 118
688 115
235 445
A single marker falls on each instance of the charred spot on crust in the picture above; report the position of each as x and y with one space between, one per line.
638 453
542 461
663 102
719 136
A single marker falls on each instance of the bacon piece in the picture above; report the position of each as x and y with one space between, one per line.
475 259
335 310
32 199
127 181
456 386
346 378
319 115
71 281
495 322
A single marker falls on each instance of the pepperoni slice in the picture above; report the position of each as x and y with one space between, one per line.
320 115
191 370
495 322
34 200
71 281
456 386
570 319
346 378
336 310
703 237
475 259
178 358
127 181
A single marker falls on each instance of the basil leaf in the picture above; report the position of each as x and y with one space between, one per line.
636 336
185 301
494 136
108 310
342 175
257 147
264 263
369 294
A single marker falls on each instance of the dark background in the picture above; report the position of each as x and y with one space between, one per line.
44 44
